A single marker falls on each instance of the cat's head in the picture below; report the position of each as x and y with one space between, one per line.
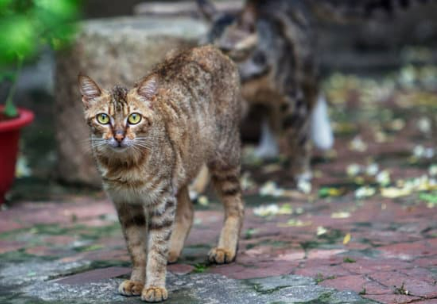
234 34
119 119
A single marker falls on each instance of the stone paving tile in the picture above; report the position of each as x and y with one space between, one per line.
95 275
366 266
6 246
180 268
407 284
355 283
409 251
394 299
428 302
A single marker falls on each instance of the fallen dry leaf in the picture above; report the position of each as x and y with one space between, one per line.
346 239
340 215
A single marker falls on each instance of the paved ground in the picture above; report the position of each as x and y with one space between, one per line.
366 233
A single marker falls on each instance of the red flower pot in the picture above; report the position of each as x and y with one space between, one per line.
9 135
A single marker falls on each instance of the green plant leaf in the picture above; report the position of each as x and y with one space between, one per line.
4 4
10 110
26 26
7 76
429 197
17 38
62 9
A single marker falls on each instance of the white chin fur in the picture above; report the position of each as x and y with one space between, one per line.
321 131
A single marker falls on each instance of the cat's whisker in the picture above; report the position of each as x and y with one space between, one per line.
97 145
140 146
92 139
149 138
142 143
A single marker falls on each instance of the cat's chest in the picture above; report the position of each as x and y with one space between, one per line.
133 186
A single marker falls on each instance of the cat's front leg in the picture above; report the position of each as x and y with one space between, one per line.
160 227
133 223
296 125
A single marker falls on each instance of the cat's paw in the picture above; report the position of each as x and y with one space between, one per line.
303 182
221 256
172 257
154 294
130 288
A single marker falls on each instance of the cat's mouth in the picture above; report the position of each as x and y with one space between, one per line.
118 146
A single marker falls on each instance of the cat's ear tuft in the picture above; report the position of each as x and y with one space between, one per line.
88 88
207 8
249 16
148 88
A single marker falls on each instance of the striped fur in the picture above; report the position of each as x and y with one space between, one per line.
273 44
190 113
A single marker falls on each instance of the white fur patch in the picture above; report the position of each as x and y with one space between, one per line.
321 131
268 145
193 195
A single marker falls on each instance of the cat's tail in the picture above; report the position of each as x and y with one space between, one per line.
321 130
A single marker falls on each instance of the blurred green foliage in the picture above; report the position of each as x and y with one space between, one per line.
28 25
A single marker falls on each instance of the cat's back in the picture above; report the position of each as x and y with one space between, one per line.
284 11
203 78
205 62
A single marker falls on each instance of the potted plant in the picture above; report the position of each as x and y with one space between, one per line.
27 26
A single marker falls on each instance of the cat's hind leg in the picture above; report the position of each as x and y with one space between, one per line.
133 224
225 174
182 225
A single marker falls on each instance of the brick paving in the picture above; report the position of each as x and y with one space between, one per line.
378 245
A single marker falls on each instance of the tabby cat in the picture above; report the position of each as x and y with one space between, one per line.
150 141
274 44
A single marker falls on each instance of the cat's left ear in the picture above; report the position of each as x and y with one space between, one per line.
207 8
249 15
148 88
89 89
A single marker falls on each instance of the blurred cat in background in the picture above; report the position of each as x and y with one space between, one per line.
273 43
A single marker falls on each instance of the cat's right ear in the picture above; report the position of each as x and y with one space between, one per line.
207 8
89 89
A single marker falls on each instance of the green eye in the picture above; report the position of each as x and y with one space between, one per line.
103 118
134 118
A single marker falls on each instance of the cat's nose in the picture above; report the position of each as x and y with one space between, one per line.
119 136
